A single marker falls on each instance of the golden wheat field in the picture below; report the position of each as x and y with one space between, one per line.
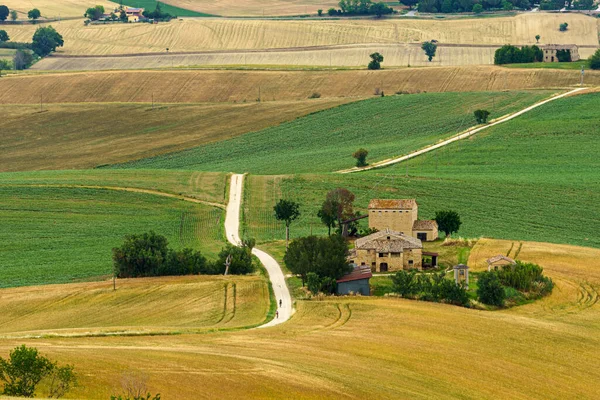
229 34
373 348
255 7
67 136
56 8
229 86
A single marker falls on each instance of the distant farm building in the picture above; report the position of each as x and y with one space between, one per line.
401 216
388 250
355 282
461 274
550 51
134 14
499 261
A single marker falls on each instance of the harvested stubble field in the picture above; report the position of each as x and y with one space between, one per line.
56 8
209 187
235 34
325 141
138 306
240 86
533 178
546 350
66 234
256 7
68 136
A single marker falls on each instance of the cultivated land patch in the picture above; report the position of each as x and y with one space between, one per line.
64 234
237 34
240 86
256 7
325 141
138 306
56 8
363 335
68 136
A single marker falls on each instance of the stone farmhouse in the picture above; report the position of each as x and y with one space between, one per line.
387 250
551 49
401 216
134 14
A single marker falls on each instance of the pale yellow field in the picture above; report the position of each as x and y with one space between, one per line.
89 135
56 8
255 7
219 86
228 34
374 348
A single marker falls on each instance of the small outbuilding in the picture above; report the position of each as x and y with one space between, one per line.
499 261
356 281
461 274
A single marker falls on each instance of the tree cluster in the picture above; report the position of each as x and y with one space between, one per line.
454 6
325 257
148 254
94 13
509 54
158 14
526 277
489 289
435 287
563 55
25 368
361 7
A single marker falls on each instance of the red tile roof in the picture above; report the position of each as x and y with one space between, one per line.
359 272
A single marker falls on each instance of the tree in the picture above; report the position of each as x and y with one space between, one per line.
448 221
34 14
481 116
4 36
241 261
13 15
328 214
123 16
287 211
94 13
490 290
507 6
376 60
477 9
4 66
341 203
62 379
22 60
46 40
584 4
380 9
323 256
140 255
595 60
331 12
563 27
537 38
430 49
409 3
4 12
361 157
406 283
320 12
23 371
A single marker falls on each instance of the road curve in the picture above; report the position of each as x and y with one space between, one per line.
232 229
464 135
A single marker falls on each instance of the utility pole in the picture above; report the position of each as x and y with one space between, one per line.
41 102
153 100
259 94
582 73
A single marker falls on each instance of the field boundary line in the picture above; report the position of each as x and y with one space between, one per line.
463 135
126 189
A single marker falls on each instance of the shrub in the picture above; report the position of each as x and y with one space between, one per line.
490 290
22 60
595 60
477 8
563 27
361 157
320 12
481 116
406 283
331 12
315 95
5 66
526 277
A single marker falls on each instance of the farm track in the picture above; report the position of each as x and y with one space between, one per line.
466 134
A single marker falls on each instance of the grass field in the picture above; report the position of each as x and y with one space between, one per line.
59 235
562 65
325 141
319 353
149 305
237 34
85 136
7 54
543 189
220 86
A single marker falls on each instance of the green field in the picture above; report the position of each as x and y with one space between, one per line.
151 5
59 235
547 65
533 178
324 141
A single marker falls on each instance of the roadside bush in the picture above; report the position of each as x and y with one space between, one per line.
361 157
490 290
481 116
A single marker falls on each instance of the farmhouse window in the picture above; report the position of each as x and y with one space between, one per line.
381 254
410 262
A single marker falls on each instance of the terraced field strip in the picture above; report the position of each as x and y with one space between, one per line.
460 136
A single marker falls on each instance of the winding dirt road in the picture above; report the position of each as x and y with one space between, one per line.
232 229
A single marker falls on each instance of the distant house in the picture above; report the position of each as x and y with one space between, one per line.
356 281
401 216
387 250
551 49
499 261
134 14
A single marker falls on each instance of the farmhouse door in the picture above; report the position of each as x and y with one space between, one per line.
422 236
383 267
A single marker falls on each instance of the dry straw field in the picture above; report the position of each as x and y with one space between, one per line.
56 8
255 7
374 348
69 136
234 34
229 86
